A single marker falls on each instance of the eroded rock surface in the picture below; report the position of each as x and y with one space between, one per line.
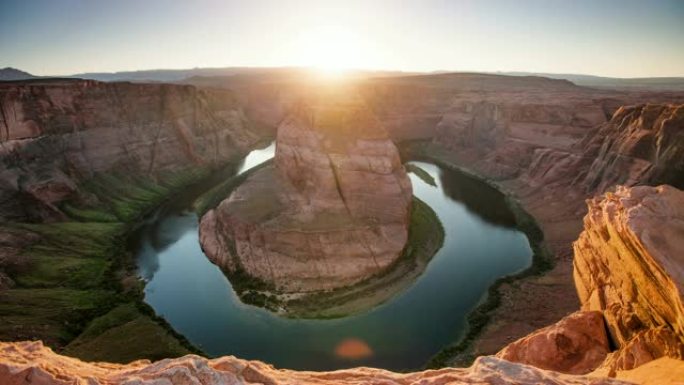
55 134
642 143
333 211
576 344
630 266
23 363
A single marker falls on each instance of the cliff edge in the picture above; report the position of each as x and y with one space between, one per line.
333 210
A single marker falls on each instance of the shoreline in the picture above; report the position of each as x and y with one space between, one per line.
78 288
542 259
477 319
426 238
344 301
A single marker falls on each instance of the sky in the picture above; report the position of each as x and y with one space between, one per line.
620 38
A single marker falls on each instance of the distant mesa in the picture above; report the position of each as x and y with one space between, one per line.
12 74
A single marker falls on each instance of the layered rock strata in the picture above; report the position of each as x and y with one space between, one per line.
332 211
640 144
54 134
629 277
629 264
552 178
576 344
23 363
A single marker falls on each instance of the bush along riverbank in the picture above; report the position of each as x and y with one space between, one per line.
542 259
74 282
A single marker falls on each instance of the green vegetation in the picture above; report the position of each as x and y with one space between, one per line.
128 198
422 174
55 315
123 335
76 287
542 259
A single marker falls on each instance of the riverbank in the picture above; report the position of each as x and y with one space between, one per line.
519 304
75 283
426 236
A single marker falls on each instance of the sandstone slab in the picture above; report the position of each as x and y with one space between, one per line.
23 363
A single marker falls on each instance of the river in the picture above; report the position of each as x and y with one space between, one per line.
481 244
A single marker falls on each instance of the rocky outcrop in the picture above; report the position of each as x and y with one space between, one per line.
333 211
544 146
23 363
576 344
629 277
54 134
640 144
628 265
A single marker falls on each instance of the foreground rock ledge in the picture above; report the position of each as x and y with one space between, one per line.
333 211
629 274
629 264
32 363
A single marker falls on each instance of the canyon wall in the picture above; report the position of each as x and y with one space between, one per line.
548 142
551 148
640 144
629 265
629 278
54 134
333 211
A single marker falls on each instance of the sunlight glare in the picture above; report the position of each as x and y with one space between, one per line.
329 50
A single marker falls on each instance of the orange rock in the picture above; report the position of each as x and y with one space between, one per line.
629 265
24 363
576 344
628 261
644 347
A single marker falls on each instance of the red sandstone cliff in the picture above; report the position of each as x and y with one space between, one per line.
629 275
640 144
333 211
547 170
629 264
56 133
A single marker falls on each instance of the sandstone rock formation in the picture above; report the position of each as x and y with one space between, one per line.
629 277
642 143
577 344
56 133
23 363
333 211
524 133
629 265
543 146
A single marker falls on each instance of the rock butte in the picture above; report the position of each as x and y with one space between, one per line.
549 142
332 211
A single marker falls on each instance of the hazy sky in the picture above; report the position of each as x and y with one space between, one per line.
625 38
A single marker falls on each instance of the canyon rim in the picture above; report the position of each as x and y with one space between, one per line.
278 214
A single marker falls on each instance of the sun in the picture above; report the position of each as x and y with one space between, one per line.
329 50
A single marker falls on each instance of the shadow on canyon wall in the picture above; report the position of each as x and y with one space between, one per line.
479 198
